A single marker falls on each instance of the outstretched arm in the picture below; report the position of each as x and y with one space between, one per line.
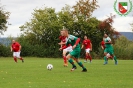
91 46
82 46
76 43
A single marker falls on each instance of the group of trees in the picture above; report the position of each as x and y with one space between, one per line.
40 36
44 27
4 16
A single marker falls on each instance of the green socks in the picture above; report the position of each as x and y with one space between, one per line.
115 58
105 58
71 61
81 65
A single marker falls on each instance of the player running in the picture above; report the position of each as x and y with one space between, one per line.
74 41
64 47
88 47
108 49
16 49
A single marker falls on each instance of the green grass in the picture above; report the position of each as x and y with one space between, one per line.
33 74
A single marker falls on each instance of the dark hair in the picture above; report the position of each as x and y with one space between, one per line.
106 33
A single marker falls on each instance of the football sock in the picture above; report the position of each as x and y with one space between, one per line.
81 65
71 61
15 59
21 58
90 57
115 58
105 58
65 60
86 57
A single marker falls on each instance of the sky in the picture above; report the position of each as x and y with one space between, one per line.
21 12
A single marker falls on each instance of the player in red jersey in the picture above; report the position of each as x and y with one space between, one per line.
64 48
103 47
88 47
16 49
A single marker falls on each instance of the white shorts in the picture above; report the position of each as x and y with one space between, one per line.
87 50
68 49
16 54
108 55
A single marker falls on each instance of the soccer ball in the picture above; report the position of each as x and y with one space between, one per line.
49 66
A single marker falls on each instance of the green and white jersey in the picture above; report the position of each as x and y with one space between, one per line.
72 40
107 40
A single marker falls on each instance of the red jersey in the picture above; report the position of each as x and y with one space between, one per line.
103 44
63 39
16 47
87 43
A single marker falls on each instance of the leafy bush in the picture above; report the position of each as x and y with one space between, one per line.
4 51
123 48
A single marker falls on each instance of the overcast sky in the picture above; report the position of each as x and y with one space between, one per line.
21 12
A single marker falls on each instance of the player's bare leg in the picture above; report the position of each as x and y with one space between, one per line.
65 59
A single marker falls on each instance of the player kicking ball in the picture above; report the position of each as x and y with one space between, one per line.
16 48
88 47
108 49
65 48
74 41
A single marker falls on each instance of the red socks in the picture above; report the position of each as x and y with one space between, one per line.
65 60
88 57
15 59
21 58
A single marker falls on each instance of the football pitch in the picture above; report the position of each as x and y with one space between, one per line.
33 74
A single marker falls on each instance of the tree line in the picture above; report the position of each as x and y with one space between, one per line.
40 35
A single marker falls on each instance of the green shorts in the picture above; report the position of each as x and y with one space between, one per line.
109 50
75 53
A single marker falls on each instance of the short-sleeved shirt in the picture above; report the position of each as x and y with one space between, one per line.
107 40
103 44
76 51
72 40
87 43
63 39
16 47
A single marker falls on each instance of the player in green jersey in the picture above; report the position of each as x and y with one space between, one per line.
108 49
75 54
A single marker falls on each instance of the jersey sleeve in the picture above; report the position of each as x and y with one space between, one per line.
72 37
17 44
60 37
108 39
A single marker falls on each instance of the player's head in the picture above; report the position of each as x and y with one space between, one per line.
13 41
64 32
61 33
85 37
105 35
